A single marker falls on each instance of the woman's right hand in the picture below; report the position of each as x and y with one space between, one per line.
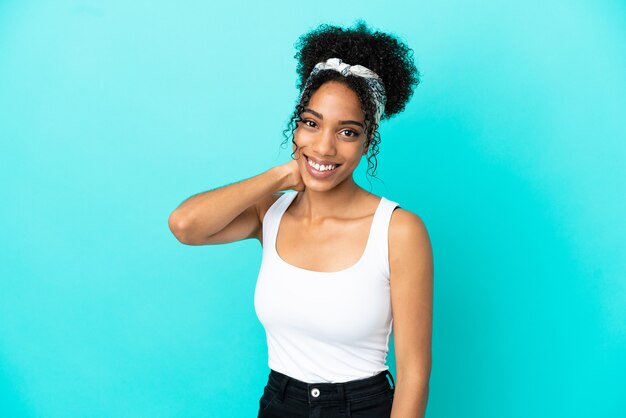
293 178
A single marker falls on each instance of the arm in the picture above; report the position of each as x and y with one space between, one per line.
230 213
411 278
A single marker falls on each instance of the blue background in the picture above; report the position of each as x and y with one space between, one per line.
511 150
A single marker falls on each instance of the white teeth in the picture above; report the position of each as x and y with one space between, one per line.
319 167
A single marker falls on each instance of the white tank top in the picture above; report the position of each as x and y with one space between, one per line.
326 326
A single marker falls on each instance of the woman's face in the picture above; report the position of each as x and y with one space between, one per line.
330 131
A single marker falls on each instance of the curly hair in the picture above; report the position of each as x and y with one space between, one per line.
381 52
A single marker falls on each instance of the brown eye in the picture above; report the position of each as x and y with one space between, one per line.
354 133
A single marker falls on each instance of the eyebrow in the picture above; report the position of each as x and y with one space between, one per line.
341 122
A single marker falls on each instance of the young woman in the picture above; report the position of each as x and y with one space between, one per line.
341 266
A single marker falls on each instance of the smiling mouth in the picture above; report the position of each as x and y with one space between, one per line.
315 166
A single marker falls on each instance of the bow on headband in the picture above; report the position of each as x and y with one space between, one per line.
374 82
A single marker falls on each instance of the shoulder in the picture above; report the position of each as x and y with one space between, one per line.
263 205
405 224
408 237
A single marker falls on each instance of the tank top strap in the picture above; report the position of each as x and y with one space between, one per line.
272 216
380 236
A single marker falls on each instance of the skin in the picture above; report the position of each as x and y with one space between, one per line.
326 228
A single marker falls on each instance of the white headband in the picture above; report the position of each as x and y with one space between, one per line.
373 80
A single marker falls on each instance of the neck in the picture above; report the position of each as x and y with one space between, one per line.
316 206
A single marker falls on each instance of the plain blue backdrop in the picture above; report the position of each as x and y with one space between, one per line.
511 150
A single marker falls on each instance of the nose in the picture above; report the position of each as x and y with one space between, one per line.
325 144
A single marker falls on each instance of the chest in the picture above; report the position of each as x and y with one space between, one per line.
332 246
